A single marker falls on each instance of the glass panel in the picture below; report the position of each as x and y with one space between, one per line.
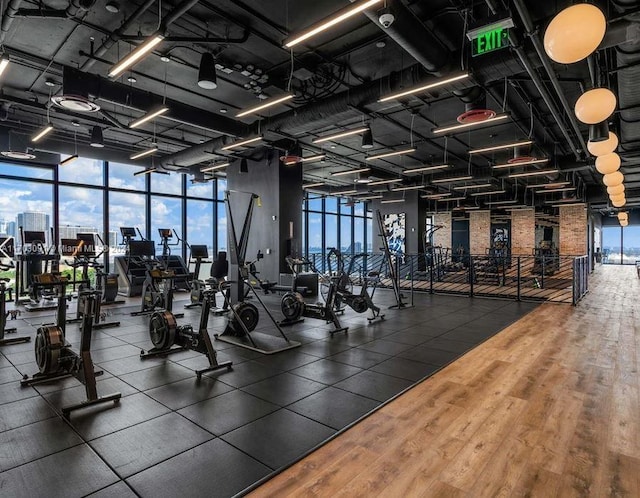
331 204
125 210
200 227
167 184
304 249
345 235
358 235
369 235
121 176
315 203
82 170
631 245
221 186
203 190
346 207
43 173
330 231
221 227
315 233
166 213
358 209
611 252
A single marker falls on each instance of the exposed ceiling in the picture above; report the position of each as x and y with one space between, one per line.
61 47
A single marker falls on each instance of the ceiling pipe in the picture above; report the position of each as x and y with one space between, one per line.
8 18
546 63
194 39
535 78
79 7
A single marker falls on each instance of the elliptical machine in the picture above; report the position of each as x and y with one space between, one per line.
55 358
165 334
4 314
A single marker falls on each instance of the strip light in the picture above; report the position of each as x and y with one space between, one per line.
501 147
390 154
311 185
489 192
306 159
553 190
264 105
469 187
425 168
144 153
391 201
346 192
534 173
328 22
411 187
241 143
466 208
347 133
495 203
469 125
385 182
423 87
546 185
44 131
69 160
139 52
522 163
452 180
145 171
4 62
436 196
148 117
448 199
213 167
369 197
350 172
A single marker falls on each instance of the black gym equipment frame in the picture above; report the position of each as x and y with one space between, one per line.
4 341
54 356
244 316
166 335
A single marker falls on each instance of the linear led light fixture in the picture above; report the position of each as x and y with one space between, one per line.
522 163
144 153
496 203
44 131
311 185
385 182
69 160
534 173
369 197
436 196
145 171
554 190
391 154
560 201
501 147
469 187
213 167
328 22
449 199
4 62
445 129
423 88
306 159
346 192
241 143
425 168
488 192
148 117
391 201
568 204
555 184
466 208
452 180
350 172
264 105
342 134
139 52
410 187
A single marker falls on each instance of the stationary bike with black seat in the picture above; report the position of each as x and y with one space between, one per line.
55 358
169 337
4 314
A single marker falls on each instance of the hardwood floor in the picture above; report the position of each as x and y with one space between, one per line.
548 407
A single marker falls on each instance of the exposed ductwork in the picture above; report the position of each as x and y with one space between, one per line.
79 7
8 17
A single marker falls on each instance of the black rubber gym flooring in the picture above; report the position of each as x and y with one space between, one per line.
172 436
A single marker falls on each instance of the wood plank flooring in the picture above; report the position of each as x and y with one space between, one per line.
548 407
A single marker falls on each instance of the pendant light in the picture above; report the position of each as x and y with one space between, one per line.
619 204
616 197
613 179
595 105
616 189
599 132
574 33
207 73
624 223
367 139
609 163
603 147
97 140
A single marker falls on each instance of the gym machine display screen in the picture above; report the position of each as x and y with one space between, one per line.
142 248
165 233
30 237
127 232
199 251
88 244
69 247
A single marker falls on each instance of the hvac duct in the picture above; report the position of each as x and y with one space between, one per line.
7 18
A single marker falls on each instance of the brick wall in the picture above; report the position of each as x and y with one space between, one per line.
573 230
479 231
442 236
523 231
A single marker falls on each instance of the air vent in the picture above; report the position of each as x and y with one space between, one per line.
16 154
476 115
75 103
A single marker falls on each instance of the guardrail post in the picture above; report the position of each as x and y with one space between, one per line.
472 275
431 268
518 280
574 283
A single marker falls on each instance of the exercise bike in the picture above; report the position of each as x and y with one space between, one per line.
200 254
4 314
157 292
165 334
55 358
294 307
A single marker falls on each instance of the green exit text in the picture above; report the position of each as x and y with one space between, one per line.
490 41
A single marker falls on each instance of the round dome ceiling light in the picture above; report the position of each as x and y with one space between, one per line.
613 179
609 163
595 106
603 147
574 33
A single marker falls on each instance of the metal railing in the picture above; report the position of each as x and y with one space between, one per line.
562 279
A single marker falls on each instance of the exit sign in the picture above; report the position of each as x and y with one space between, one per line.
489 41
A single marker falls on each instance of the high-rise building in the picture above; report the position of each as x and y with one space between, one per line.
33 221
